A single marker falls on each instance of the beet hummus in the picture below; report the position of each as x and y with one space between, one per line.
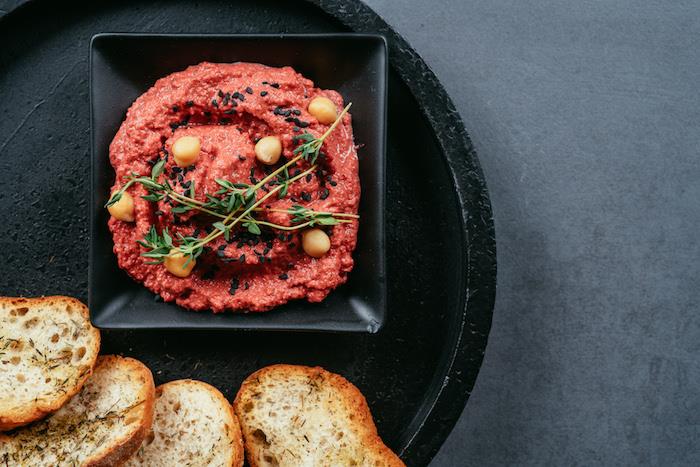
261 261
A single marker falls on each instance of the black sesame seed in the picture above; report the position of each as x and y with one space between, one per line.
302 124
275 85
266 251
249 90
174 126
291 245
176 108
234 286
241 158
246 286
241 258
305 196
324 193
220 253
189 103
309 177
207 113
268 243
284 276
196 233
263 93
214 103
238 95
264 82
176 169
333 183
230 111
280 237
221 93
225 100
296 112
296 129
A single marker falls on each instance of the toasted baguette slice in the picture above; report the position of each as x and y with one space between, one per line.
302 416
102 425
193 424
47 350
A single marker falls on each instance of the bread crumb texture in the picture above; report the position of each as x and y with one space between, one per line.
193 425
99 420
301 416
47 350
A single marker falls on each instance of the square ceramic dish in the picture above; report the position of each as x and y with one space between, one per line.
123 66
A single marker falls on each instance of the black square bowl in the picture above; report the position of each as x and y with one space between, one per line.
123 66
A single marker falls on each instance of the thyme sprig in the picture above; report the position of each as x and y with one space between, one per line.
310 149
233 203
159 246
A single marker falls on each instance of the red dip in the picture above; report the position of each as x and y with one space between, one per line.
229 107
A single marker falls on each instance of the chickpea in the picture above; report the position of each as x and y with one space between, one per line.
315 242
123 209
176 265
186 150
268 150
323 109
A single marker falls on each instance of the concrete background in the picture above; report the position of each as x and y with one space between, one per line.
585 115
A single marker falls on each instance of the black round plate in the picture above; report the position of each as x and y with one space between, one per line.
418 371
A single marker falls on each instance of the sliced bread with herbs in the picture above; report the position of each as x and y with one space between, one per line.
193 424
47 351
102 425
302 416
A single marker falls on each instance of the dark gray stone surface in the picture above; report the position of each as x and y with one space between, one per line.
586 119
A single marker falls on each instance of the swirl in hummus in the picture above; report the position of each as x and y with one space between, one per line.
237 130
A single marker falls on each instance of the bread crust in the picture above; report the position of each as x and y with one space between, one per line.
127 446
347 393
20 416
